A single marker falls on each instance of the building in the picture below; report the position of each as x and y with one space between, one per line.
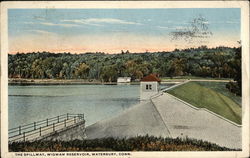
123 79
149 86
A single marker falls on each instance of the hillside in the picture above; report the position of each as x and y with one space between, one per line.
203 62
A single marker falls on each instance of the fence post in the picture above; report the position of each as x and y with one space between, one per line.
75 119
64 122
53 127
40 131
67 116
34 125
20 130
23 136
57 119
47 122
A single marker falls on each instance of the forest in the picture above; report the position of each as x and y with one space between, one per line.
219 62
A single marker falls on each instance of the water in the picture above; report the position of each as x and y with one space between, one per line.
33 103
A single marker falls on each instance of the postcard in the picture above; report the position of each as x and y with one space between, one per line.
125 79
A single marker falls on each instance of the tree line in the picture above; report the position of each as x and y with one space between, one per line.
219 62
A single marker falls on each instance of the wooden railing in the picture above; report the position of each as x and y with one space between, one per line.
44 127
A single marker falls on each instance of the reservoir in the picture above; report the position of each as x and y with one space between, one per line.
28 104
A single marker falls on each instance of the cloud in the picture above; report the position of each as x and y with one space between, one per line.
180 27
80 21
111 21
223 22
172 28
99 21
51 24
205 22
39 18
29 23
42 32
232 22
89 21
165 27
54 24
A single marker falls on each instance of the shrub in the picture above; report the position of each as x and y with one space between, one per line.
139 143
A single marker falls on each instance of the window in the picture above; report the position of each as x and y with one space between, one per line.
148 87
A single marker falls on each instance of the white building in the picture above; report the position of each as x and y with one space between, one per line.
149 87
123 79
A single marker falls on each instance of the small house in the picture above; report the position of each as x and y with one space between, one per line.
149 86
123 79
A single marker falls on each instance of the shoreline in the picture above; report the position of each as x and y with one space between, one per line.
26 82
23 81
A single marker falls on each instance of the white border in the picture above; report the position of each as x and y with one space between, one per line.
244 5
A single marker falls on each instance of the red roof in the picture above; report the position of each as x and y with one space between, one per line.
150 78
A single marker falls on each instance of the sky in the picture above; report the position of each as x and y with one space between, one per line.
113 30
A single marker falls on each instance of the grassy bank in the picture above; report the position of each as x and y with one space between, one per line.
221 88
140 143
212 96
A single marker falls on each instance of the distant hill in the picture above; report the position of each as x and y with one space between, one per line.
204 62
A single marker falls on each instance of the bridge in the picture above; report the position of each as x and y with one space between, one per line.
50 128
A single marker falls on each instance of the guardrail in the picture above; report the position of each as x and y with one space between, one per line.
44 127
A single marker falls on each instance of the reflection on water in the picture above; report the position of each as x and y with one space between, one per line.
33 103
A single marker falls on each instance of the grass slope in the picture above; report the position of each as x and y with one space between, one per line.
221 88
209 96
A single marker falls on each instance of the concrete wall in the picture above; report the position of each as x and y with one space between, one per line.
145 93
69 133
184 120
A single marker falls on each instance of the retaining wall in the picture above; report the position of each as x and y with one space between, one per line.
69 133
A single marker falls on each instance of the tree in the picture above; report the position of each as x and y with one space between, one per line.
205 62
109 73
177 67
236 87
82 71
131 68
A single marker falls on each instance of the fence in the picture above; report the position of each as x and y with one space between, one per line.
41 128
